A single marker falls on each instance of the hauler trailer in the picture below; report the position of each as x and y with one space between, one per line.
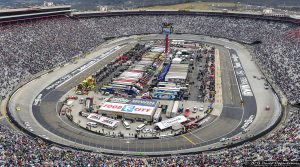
89 104
157 115
120 88
104 121
174 111
128 83
165 93
166 84
163 125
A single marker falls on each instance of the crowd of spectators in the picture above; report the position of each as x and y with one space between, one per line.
18 149
30 47
27 48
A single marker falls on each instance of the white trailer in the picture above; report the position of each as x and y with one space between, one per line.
157 115
169 122
175 109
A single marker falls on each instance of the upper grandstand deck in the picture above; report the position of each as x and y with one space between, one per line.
284 18
10 15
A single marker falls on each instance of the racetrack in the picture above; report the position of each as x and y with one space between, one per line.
45 120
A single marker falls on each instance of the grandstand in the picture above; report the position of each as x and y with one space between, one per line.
28 48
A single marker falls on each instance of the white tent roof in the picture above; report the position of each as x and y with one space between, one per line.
170 122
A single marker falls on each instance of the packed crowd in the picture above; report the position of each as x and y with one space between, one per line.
18 149
27 48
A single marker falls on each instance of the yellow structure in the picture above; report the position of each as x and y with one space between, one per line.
87 84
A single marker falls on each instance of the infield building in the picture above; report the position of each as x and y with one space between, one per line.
129 108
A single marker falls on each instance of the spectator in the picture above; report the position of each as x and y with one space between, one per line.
28 48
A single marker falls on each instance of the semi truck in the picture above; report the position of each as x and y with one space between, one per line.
157 115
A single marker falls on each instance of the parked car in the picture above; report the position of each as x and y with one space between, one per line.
195 109
186 112
92 124
126 125
18 108
201 108
27 124
224 139
193 126
153 131
236 138
146 130
185 122
140 127
73 97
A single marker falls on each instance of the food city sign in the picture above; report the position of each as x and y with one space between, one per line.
127 108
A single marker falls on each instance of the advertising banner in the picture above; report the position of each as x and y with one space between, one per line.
141 102
127 108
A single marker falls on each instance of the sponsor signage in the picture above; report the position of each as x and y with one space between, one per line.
37 100
144 102
241 76
164 96
82 68
141 102
127 108
121 100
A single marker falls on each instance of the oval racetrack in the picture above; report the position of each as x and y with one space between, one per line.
38 100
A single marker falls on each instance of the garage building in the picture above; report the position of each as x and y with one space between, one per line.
129 108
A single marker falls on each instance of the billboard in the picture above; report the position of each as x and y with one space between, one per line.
135 101
144 102
167 28
127 108
122 100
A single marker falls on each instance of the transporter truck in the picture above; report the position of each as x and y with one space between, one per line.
174 111
157 115
89 104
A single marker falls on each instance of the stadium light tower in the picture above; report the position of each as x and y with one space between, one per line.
167 29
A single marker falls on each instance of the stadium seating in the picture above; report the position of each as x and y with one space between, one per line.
27 48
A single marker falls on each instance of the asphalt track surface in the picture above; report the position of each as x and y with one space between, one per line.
45 120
